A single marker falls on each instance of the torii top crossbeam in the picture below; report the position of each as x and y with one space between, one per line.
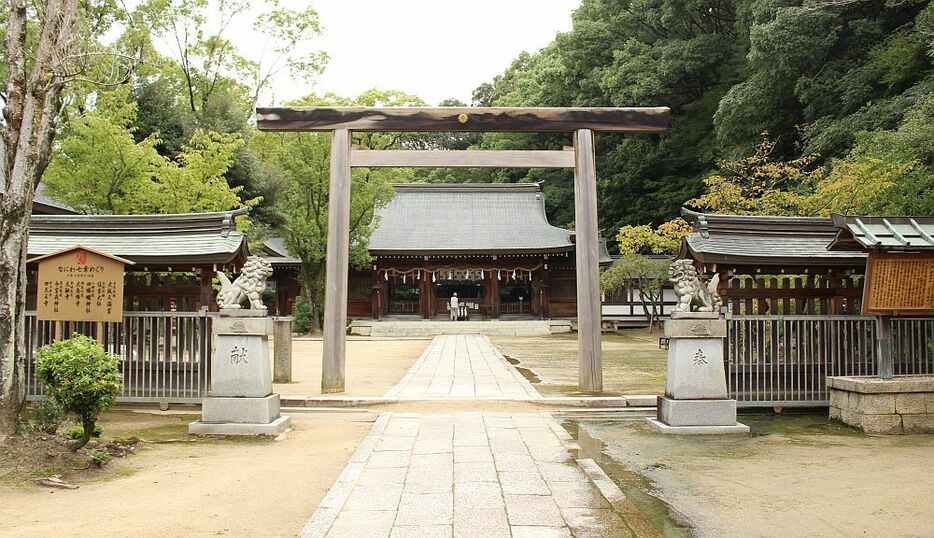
453 119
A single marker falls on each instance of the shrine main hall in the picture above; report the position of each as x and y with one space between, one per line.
490 243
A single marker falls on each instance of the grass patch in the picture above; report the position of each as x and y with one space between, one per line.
632 362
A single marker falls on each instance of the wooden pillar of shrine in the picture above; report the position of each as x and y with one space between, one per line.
424 295
207 292
544 296
376 296
494 295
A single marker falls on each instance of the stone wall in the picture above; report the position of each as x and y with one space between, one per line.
904 404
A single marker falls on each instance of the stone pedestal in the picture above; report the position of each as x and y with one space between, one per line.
282 338
696 399
241 401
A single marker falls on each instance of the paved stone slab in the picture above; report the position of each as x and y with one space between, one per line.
471 473
463 366
466 490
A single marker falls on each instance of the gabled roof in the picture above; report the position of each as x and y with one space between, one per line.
467 218
42 204
81 247
764 241
883 233
277 253
159 240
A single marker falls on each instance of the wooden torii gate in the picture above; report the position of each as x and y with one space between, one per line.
581 122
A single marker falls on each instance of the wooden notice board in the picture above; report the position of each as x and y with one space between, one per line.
899 284
80 284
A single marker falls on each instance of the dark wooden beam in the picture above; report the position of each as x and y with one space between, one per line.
458 119
461 159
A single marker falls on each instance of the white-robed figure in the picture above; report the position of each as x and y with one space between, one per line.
453 306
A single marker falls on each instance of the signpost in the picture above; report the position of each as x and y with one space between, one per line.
896 285
899 284
80 284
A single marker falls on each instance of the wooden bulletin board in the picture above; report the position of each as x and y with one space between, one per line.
80 284
899 284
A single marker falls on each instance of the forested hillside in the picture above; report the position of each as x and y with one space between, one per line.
778 107
842 88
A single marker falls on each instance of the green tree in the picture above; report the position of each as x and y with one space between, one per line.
98 167
50 48
304 158
82 377
195 182
643 265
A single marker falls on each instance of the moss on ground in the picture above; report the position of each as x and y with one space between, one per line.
632 362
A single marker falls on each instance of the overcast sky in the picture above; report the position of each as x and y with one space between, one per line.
435 49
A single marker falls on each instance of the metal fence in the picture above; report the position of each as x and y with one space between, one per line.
164 356
785 360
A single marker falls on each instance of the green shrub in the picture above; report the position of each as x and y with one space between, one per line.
78 432
81 377
99 456
302 315
48 416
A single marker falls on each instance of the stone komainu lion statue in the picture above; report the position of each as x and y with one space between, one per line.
691 291
249 285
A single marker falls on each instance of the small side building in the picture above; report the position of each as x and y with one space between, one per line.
175 255
772 265
793 292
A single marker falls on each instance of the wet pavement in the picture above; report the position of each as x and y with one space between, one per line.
470 473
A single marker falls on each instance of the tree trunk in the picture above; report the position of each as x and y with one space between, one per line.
312 288
12 320
32 107
314 315
87 427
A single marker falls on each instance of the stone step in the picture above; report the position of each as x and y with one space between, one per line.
434 328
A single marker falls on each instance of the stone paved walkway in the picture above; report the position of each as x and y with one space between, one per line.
468 474
487 474
463 366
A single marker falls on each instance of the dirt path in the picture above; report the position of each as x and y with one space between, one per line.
373 366
236 488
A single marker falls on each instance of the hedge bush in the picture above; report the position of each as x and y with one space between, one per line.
82 377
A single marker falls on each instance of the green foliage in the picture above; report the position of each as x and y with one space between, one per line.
645 274
195 182
304 159
81 377
637 270
824 79
78 432
98 167
47 417
643 239
99 457
302 314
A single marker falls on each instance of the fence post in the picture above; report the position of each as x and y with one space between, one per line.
885 366
282 342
